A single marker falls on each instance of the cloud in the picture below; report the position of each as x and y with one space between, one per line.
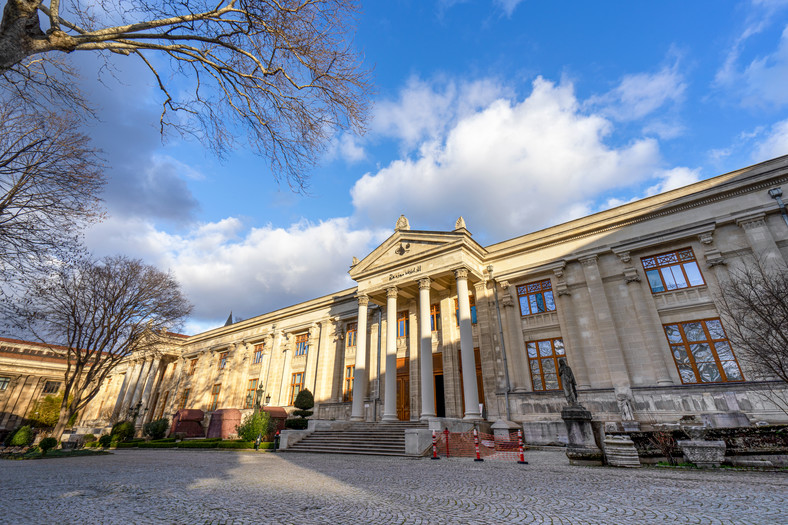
223 267
641 94
672 179
774 145
508 6
508 168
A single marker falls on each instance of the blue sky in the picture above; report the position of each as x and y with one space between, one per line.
573 107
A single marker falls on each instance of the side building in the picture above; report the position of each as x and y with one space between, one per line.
439 326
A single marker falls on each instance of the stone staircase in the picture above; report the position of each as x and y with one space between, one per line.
380 439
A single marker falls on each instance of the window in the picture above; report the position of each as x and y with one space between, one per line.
352 332
349 371
251 392
536 298
163 405
671 271
402 324
192 366
702 352
301 344
472 301
51 387
543 362
215 397
296 384
184 398
4 382
258 354
435 317
223 360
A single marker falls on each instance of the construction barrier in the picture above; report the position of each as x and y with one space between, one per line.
478 445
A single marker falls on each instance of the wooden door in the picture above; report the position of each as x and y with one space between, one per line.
403 389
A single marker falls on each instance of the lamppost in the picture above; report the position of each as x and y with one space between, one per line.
258 397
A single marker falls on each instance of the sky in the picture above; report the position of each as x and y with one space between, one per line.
515 114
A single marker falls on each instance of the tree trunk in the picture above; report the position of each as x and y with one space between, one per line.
62 420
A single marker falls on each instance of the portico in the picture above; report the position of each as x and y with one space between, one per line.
412 272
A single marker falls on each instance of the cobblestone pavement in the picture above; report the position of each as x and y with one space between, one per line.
234 487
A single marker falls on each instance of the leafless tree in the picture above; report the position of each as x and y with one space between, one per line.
754 302
50 179
283 71
101 311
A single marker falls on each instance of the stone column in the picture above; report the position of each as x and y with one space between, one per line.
519 375
137 397
764 249
611 347
287 356
134 374
425 331
150 380
360 373
325 361
16 387
122 392
470 391
390 392
310 367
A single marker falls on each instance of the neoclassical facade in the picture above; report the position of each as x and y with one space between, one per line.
439 326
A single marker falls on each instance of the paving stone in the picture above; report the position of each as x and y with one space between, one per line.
240 487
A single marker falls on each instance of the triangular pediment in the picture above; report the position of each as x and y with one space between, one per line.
406 247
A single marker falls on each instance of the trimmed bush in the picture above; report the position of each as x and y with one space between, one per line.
126 444
202 443
256 424
304 402
157 429
92 444
235 444
22 437
88 438
122 431
164 440
47 444
105 441
296 424
156 444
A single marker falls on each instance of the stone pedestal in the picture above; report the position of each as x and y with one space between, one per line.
703 453
620 451
581 448
503 430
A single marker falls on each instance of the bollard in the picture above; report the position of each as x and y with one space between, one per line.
434 446
476 444
520 447
446 433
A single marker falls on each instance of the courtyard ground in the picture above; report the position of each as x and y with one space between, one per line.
234 487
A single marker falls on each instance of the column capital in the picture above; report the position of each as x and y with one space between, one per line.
424 283
363 299
756 220
588 260
461 273
391 291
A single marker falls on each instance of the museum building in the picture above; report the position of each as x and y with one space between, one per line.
439 326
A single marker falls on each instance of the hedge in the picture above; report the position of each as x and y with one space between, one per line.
163 440
127 445
203 443
235 444
152 444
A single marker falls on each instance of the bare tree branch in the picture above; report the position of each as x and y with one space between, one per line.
283 71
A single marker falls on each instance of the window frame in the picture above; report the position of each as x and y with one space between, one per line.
435 317
163 404
215 391
296 380
49 389
258 354
4 382
251 388
192 366
650 263
223 360
528 290
403 324
472 304
184 398
711 342
347 393
539 358
301 344
351 335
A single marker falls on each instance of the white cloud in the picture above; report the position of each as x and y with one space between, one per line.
508 168
641 94
774 145
222 267
672 179
508 5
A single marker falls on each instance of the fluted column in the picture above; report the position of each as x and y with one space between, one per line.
121 393
131 388
425 332
360 373
470 391
764 248
390 394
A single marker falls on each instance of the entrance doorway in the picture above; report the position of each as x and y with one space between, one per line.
403 389
437 372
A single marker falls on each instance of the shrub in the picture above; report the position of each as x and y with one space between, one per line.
88 438
47 444
236 444
197 444
22 437
45 412
122 430
156 444
304 401
165 440
255 424
296 424
157 429
105 441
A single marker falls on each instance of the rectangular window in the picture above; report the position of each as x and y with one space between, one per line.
184 398
435 317
258 354
402 324
296 384
192 366
352 332
702 352
223 360
251 392
215 396
472 302
536 298
671 271
349 371
301 344
543 363
51 387
163 405
4 382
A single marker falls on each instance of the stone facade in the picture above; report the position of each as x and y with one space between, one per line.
440 326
